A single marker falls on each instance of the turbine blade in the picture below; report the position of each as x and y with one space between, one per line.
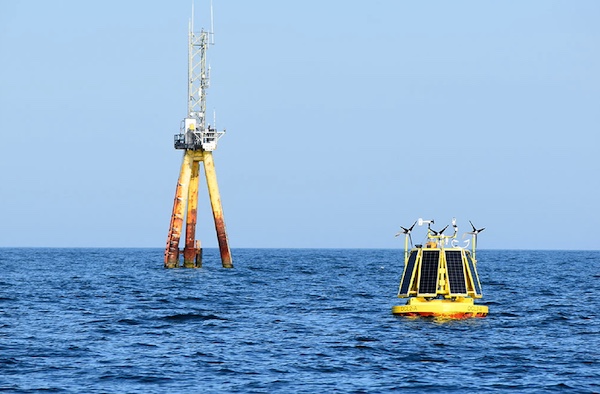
411 227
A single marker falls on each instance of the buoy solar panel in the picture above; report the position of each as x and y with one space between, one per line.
456 273
428 279
407 277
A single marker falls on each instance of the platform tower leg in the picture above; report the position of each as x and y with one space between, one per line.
179 206
217 209
189 251
185 206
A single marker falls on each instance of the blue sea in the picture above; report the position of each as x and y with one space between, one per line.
290 321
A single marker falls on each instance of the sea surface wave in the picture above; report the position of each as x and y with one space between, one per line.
290 320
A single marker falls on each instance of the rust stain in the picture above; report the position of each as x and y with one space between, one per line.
179 204
189 253
185 206
198 261
223 242
172 249
215 201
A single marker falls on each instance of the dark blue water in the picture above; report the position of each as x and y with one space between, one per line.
289 321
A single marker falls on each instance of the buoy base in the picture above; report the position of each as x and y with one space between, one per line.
459 308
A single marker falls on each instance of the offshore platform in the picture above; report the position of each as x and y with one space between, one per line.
198 140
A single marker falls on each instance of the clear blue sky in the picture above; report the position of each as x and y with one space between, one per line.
345 120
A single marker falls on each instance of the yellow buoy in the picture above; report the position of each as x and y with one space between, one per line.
441 278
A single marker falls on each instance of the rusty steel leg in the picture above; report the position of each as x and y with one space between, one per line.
198 254
189 251
217 209
179 204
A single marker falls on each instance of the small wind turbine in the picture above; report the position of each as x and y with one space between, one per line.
474 234
406 232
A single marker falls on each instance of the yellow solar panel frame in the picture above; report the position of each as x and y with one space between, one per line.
472 277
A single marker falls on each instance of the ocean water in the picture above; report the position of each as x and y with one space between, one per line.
290 321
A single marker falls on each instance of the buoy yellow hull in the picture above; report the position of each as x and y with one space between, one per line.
452 309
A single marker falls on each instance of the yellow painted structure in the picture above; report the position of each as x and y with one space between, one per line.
456 309
186 200
217 209
189 252
440 279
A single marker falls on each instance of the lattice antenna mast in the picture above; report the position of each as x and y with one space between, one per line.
196 133
198 74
